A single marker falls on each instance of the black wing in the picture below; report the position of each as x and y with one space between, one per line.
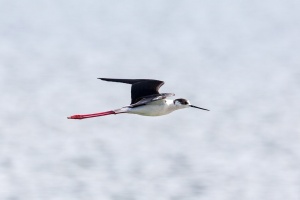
140 87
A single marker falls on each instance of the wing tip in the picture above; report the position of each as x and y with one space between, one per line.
104 79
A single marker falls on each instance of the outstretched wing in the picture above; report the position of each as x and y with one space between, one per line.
140 87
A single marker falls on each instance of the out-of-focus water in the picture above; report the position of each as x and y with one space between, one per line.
240 59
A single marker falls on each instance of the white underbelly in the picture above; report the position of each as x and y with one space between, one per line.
150 110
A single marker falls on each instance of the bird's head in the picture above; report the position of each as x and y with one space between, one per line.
184 103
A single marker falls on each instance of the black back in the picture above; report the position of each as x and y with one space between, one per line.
140 87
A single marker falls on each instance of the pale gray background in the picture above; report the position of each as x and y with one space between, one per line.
238 58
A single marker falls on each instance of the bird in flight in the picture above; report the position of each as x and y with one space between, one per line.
145 100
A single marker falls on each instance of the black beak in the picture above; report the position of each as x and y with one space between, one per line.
199 108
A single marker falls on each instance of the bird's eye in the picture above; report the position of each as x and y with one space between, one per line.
184 102
181 101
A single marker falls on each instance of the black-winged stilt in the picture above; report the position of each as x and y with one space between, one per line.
145 100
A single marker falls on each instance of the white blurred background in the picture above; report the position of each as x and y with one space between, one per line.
240 59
